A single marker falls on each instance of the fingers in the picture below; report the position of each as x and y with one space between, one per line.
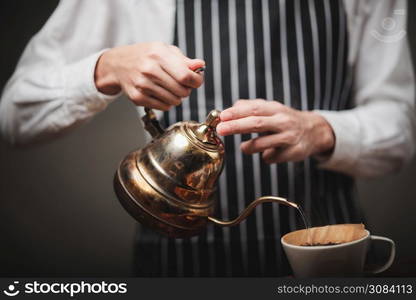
141 99
193 64
164 80
246 108
150 88
269 155
176 74
179 66
182 74
285 154
263 143
155 73
249 124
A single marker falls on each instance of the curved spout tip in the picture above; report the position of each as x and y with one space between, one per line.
292 204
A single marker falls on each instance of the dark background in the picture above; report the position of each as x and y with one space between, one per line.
58 212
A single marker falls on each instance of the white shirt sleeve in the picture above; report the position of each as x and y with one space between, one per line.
52 88
378 135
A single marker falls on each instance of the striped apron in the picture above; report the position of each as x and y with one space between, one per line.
292 51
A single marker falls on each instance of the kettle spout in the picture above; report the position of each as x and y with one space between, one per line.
151 124
249 209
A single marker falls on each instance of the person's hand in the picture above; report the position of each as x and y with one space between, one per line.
293 135
154 75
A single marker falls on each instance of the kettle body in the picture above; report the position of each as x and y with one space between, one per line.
170 184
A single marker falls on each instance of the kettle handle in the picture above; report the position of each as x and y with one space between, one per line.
250 208
151 124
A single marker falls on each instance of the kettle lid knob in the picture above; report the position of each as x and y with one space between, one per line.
205 132
213 118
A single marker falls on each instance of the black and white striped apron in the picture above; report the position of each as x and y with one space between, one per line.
292 51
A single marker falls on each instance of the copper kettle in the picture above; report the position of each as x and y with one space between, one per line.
169 185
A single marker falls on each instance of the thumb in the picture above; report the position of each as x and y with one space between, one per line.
195 63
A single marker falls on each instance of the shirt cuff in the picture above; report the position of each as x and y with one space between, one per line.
347 148
80 84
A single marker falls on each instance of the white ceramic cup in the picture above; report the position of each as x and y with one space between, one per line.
342 260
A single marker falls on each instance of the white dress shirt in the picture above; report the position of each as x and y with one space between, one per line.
52 89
